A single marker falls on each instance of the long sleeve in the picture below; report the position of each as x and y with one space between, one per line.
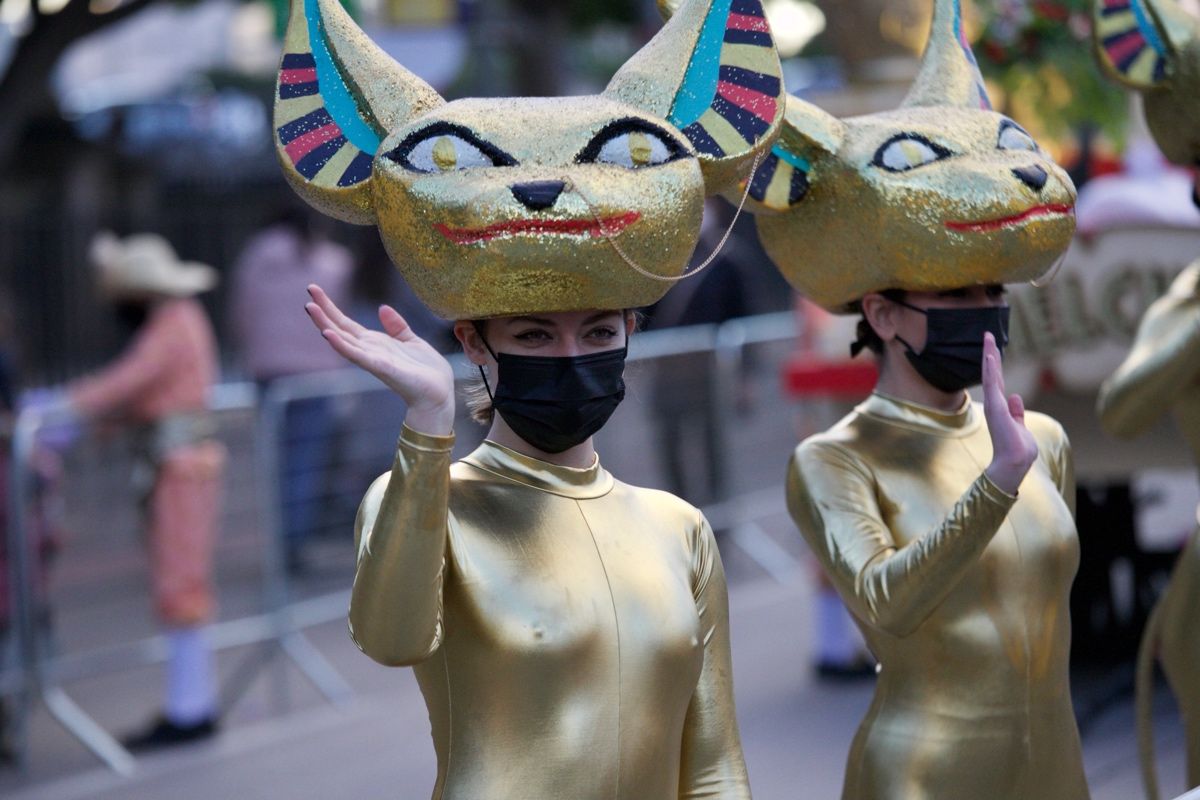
121 383
1165 357
401 538
831 497
712 764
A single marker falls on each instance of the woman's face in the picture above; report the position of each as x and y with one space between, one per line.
563 333
910 325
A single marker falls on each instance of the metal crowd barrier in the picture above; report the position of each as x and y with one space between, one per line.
277 634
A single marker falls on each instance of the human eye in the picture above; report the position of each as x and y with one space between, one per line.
533 336
602 333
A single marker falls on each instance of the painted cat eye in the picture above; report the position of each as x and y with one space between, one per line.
632 144
443 147
907 151
1013 137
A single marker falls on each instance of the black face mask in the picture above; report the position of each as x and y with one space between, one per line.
952 358
557 402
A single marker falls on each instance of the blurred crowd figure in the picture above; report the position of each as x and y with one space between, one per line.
159 388
687 414
274 340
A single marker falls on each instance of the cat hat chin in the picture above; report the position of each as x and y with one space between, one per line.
496 207
941 193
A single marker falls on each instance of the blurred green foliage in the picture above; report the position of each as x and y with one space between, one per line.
1039 52
589 13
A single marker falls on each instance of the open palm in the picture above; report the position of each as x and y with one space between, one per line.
403 361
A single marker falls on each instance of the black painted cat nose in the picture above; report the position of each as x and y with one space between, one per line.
538 195
1033 177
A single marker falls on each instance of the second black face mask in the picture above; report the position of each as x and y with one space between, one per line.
952 359
557 402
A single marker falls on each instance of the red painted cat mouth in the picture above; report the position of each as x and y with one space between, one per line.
1048 210
608 226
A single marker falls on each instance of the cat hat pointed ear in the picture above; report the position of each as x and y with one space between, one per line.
949 74
713 72
337 97
1153 46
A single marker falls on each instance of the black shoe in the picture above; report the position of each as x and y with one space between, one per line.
858 670
164 733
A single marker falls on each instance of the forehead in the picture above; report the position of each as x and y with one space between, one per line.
534 128
960 128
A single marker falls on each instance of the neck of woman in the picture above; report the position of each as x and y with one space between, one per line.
581 456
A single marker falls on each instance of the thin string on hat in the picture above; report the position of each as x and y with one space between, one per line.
612 240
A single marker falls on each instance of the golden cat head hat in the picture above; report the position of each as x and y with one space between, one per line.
493 207
939 194
1153 46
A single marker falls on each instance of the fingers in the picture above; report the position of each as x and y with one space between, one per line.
395 325
993 375
1016 408
319 317
332 312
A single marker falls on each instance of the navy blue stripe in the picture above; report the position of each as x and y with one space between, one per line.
702 141
298 61
762 178
799 186
1160 71
311 164
309 122
358 171
750 126
1108 11
752 8
759 82
288 91
759 38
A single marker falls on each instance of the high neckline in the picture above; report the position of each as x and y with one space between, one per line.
963 421
574 482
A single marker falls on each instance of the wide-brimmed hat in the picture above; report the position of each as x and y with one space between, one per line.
145 265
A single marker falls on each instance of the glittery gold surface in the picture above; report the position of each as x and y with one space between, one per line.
467 243
960 590
550 271
964 218
1171 95
862 228
1161 375
569 633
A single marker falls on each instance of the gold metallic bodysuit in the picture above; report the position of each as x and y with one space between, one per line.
569 633
962 594
1161 374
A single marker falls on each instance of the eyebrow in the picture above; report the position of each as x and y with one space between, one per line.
550 323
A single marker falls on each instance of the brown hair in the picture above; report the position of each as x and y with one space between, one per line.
867 338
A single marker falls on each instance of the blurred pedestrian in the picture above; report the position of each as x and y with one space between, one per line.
159 386
273 341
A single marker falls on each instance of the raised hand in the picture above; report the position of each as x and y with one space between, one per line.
403 361
1013 447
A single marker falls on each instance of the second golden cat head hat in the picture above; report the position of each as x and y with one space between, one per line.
941 193
1153 46
493 207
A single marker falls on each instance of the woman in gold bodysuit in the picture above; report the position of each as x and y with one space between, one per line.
948 529
1161 375
569 632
